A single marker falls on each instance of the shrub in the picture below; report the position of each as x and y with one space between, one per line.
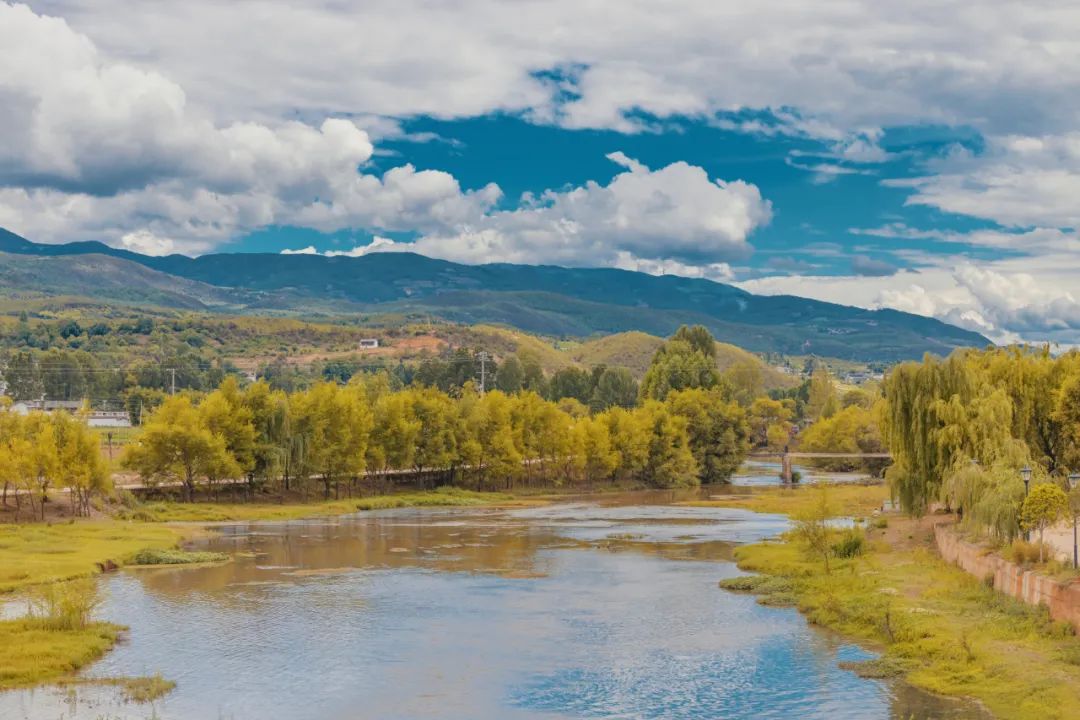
1026 553
66 605
851 544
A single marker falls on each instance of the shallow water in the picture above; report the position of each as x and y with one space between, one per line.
604 609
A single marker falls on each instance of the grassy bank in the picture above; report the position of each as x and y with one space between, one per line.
936 626
852 500
33 554
32 653
38 556
249 512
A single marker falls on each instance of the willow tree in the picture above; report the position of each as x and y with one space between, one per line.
916 394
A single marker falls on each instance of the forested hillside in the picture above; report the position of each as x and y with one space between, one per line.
562 302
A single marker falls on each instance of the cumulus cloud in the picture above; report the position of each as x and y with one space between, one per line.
674 220
108 150
103 149
998 66
1020 298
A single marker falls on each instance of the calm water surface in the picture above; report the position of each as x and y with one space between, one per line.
598 609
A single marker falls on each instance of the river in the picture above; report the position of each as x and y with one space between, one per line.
605 607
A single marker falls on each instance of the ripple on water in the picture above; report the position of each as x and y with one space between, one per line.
519 616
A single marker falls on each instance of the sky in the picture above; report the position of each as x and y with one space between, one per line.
922 156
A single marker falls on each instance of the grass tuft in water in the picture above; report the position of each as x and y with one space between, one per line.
152 556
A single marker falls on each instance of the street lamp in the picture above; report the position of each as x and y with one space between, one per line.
1025 473
1074 480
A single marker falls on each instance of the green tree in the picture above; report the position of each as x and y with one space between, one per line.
1045 505
680 364
570 382
175 445
811 528
615 387
334 423
669 461
822 394
23 377
510 376
746 378
225 414
717 430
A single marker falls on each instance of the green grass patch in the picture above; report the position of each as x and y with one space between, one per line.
134 689
32 554
938 627
150 556
32 653
250 512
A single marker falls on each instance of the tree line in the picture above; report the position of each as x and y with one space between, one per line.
40 451
961 429
684 425
684 431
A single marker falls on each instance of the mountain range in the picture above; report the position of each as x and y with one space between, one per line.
550 300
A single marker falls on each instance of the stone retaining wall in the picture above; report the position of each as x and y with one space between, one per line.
1063 599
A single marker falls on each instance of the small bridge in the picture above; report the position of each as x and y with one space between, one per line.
786 473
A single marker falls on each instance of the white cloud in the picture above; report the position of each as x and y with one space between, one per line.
108 150
99 149
673 213
673 220
999 66
147 243
1021 298
1017 181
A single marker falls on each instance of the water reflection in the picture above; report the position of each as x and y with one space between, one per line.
575 610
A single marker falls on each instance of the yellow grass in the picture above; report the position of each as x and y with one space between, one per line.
938 627
32 554
847 499
31 654
250 512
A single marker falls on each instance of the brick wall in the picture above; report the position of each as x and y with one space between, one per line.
1063 599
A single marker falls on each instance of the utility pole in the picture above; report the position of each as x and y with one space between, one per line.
484 357
172 385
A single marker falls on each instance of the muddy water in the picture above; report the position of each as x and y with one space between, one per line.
590 609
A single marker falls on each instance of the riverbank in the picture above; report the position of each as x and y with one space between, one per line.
39 555
935 626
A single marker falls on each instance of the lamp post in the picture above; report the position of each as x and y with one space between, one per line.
1074 480
1025 473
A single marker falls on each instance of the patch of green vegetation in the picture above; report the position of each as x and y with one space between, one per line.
250 512
135 689
36 553
151 556
57 637
32 653
938 627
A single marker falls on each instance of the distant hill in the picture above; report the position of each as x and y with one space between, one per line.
556 301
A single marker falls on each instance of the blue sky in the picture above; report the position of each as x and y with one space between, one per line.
814 212
883 155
